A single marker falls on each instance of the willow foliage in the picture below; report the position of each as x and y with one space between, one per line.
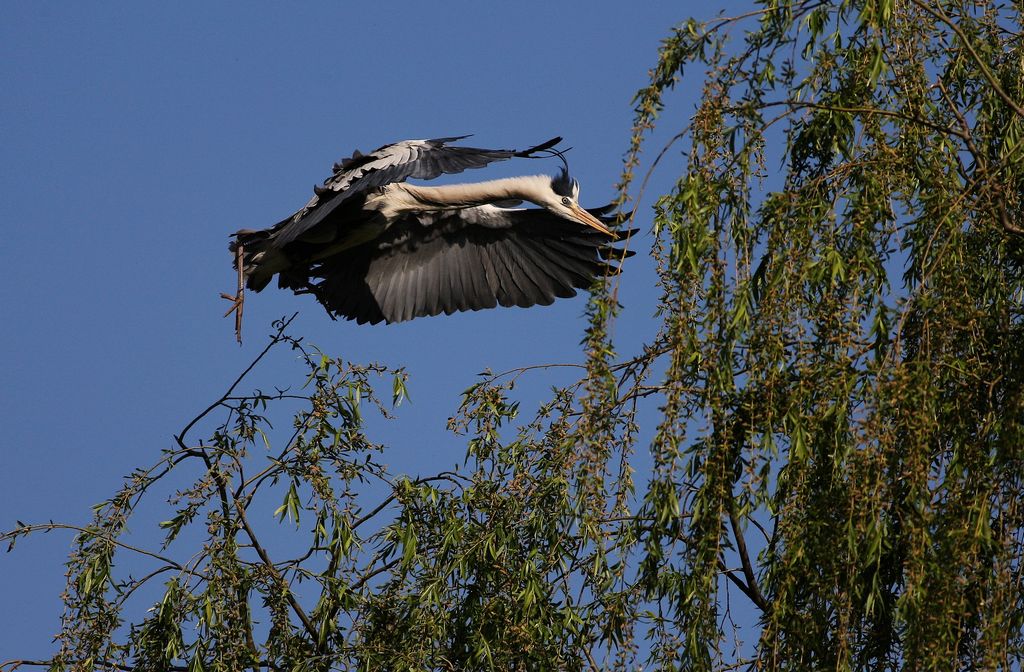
815 462
844 337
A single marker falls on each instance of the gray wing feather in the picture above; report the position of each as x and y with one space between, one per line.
510 291
530 280
425 292
473 271
460 292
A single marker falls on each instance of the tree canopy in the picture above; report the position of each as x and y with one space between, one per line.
829 411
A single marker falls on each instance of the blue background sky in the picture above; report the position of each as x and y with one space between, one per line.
136 136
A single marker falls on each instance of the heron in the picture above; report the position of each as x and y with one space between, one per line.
371 247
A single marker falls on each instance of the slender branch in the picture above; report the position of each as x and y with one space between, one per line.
268 563
222 486
380 507
748 571
135 584
273 468
48 527
760 527
731 575
356 585
274 340
518 371
443 476
801 104
11 665
960 120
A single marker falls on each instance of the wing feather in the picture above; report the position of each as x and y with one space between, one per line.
474 278
555 268
417 294
453 292
533 282
435 291
511 285
462 301
391 284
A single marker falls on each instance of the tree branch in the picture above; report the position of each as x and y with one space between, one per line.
22 530
754 591
292 601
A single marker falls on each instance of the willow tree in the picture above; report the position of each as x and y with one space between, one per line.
845 339
823 436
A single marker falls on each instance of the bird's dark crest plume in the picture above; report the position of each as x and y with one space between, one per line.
371 247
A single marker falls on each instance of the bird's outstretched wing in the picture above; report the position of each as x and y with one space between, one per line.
464 260
415 159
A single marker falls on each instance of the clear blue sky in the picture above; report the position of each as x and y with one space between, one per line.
135 137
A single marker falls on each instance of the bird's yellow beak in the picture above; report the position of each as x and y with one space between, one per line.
586 218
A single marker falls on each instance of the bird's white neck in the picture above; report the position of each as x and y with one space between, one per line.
446 197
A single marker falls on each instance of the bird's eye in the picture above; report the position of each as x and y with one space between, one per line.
566 200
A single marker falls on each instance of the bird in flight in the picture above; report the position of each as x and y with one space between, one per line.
371 247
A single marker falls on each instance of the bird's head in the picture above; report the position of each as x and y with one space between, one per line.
564 202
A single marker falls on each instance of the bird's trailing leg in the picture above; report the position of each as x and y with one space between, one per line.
238 300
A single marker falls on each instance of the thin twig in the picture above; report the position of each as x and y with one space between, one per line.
274 340
46 527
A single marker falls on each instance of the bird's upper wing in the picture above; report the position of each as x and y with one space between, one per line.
417 159
464 260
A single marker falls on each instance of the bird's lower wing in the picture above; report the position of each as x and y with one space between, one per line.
469 260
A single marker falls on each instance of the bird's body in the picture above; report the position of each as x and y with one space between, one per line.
372 247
